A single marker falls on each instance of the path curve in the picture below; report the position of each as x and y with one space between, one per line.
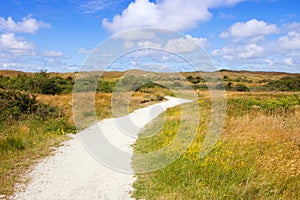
73 173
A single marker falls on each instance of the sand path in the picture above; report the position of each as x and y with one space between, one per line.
77 172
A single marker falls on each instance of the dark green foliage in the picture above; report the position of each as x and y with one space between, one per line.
87 83
241 88
220 86
229 86
149 85
200 87
194 80
243 79
265 81
41 83
285 84
106 86
16 105
133 83
226 78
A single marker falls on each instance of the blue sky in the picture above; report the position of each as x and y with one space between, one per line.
58 35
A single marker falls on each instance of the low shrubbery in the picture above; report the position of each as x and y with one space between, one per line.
285 84
41 83
16 105
279 105
28 128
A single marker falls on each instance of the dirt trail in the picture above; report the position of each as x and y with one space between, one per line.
74 171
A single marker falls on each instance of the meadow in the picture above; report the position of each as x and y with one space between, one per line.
256 157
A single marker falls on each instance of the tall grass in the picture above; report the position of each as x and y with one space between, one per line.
256 157
28 138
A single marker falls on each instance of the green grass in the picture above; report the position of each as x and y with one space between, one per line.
256 157
22 144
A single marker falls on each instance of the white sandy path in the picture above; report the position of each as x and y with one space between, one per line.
74 174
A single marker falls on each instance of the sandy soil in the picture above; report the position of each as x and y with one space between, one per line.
85 168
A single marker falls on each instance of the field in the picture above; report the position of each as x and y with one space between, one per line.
256 157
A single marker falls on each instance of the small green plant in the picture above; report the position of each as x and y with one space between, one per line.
241 88
12 144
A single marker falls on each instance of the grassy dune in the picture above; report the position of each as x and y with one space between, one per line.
256 157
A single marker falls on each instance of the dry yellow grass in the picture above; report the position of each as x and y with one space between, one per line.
256 157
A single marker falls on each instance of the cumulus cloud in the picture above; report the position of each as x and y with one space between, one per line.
240 52
53 54
13 46
148 44
92 6
251 28
136 35
129 45
185 44
290 41
83 51
289 62
178 15
294 26
26 25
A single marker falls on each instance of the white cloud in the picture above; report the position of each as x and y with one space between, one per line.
53 54
83 51
128 45
26 25
92 6
225 16
289 62
170 14
251 51
251 28
240 52
202 42
290 41
290 27
148 44
185 44
136 35
14 46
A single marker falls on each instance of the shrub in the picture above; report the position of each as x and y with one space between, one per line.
241 88
41 83
285 84
105 86
15 105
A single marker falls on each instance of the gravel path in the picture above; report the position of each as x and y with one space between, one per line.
76 173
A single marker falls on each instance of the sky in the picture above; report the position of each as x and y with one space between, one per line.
58 35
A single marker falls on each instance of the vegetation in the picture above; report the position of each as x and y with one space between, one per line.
28 129
285 84
280 82
256 157
41 83
36 115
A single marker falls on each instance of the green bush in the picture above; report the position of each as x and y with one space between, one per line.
106 86
241 88
16 105
41 83
285 84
